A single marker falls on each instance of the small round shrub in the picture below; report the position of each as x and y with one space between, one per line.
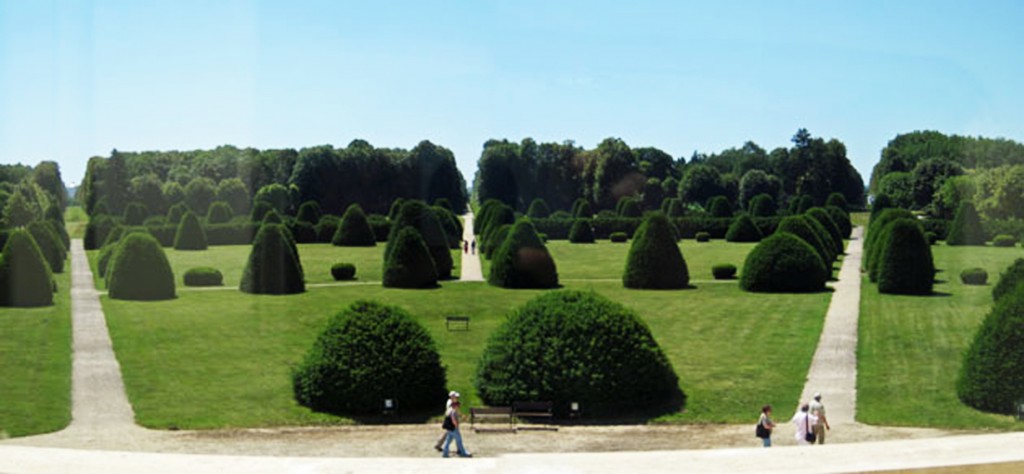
309 212
743 229
203 276
538 209
409 264
49 243
723 271
974 276
762 205
343 271
273 266
370 352
354 230
966 227
1009 280
139 270
991 378
702 236
783 263
1003 240
135 213
219 213
581 232
905 265
25 277
571 346
654 261
522 260
719 206
175 213
190 234
618 237
798 226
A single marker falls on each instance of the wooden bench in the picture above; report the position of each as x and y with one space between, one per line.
502 417
460 322
535 410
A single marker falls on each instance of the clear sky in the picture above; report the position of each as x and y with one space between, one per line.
79 78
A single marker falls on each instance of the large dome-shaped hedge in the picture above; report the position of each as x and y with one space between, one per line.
798 226
835 248
762 205
220 212
783 263
966 227
876 235
418 215
25 277
409 264
905 264
190 234
743 229
522 260
719 206
842 220
368 353
1009 280
654 261
991 377
273 266
571 346
354 229
139 270
581 232
822 216
49 243
309 212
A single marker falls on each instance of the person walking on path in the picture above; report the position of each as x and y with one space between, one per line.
765 426
453 397
451 425
818 411
804 422
472 247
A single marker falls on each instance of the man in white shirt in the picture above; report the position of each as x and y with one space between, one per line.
452 396
818 411
804 422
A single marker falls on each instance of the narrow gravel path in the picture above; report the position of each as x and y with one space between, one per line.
470 260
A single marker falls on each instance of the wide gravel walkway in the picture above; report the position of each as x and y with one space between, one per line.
470 260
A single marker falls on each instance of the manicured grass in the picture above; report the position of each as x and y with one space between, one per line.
911 348
35 365
75 220
860 219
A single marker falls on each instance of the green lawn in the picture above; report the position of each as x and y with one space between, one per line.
35 365
607 261
75 220
911 348
222 358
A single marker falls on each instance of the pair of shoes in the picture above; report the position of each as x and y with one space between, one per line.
467 455
438 448
444 455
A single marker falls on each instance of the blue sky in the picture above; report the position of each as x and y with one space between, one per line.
79 78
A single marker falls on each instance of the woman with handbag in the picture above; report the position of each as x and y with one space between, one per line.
451 425
765 425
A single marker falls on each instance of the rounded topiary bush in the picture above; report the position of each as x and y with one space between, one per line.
581 208
743 229
175 213
25 277
354 229
219 213
702 236
538 209
309 212
368 353
834 248
614 366
724 271
783 263
409 264
135 213
966 227
49 243
96 231
905 264
139 270
260 209
499 216
493 240
974 276
618 237
581 232
1003 240
673 207
630 207
522 260
343 271
272 217
837 200
876 234
762 205
418 215
654 261
1009 280
841 219
991 378
821 216
798 226
273 266
452 226
203 276
719 206
190 234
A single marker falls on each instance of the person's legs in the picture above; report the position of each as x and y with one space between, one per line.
448 437
767 442
458 442
819 433
440 441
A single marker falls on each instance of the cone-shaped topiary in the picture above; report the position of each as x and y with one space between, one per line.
368 353
966 227
538 209
762 205
581 208
522 260
451 225
272 217
991 378
49 243
273 267
1009 280
798 226
135 213
654 261
190 234
673 207
823 218
309 212
96 231
498 216
175 213
783 263
260 209
409 264
842 220
139 270
396 206
25 277
881 203
877 234
743 229
629 207
354 230
838 200
905 264
571 346
483 215
219 213
494 240
801 204
719 206
581 232
421 217
834 248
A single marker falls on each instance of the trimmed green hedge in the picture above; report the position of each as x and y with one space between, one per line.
219 213
582 232
1009 280
190 234
522 260
203 276
821 216
966 227
877 231
974 276
309 212
719 206
538 209
409 264
139 270
654 261
343 271
618 237
783 263
723 271
273 267
49 243
991 378
135 213
800 227
743 229
763 205
354 230
418 215
25 277
905 265
1004 240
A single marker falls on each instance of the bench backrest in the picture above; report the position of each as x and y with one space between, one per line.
491 411
533 407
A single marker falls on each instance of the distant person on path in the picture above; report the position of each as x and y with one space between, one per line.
818 411
804 422
465 246
451 425
766 425
472 247
453 397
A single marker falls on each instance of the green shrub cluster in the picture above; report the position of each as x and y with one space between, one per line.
204 276
673 207
135 213
343 271
743 229
800 204
877 231
618 237
327 227
723 271
654 261
783 263
452 226
841 219
974 276
522 260
260 209
96 231
582 232
354 229
49 242
822 217
1004 240
538 209
219 213
273 267
802 228
835 248
629 207
1009 280
493 215
419 216
494 239
25 277
139 270
762 205
719 206
309 212
175 213
966 227
408 264
703 236
190 234
991 378
905 265
837 200
368 353
571 346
